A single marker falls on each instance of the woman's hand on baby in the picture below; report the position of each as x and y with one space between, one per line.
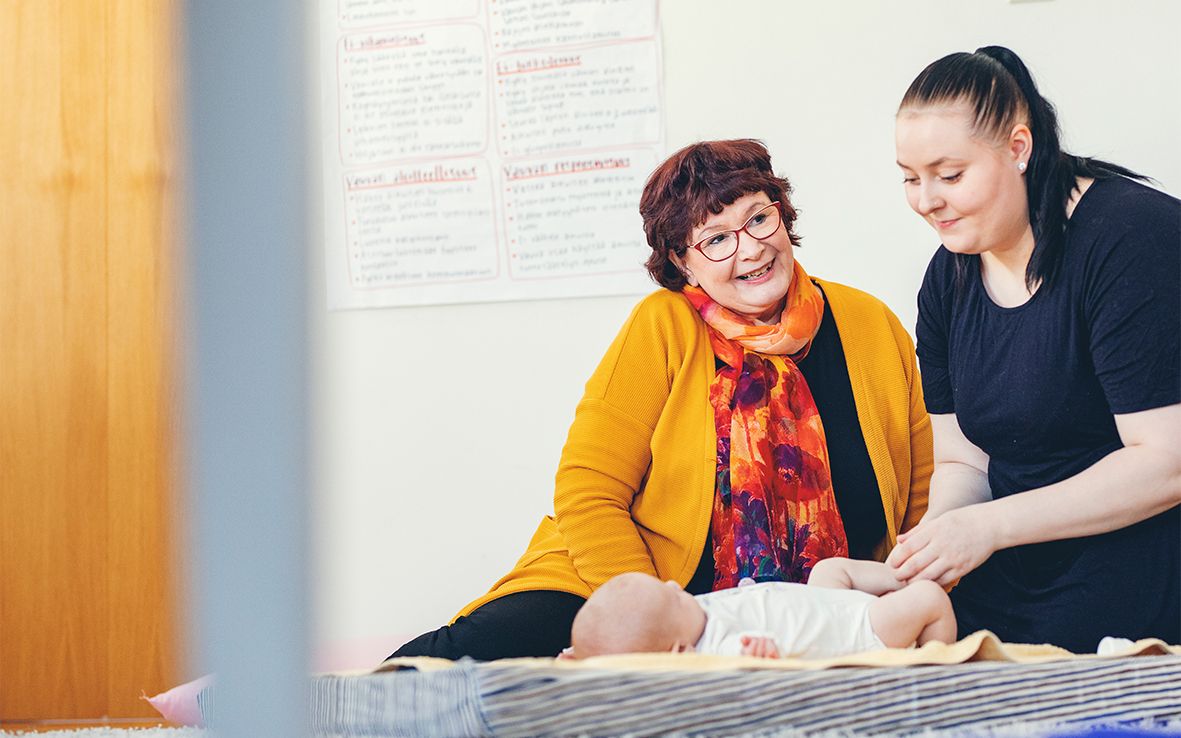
760 647
945 548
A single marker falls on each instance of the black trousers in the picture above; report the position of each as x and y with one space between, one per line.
535 623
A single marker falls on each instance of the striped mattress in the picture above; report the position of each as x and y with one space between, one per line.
977 686
495 699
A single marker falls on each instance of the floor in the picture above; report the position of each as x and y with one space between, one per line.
43 726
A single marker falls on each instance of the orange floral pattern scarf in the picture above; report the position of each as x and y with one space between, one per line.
774 513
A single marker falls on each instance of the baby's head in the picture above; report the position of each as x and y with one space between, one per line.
635 613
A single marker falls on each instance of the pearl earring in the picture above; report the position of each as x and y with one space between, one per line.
1021 166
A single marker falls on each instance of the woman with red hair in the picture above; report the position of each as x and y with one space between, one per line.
747 422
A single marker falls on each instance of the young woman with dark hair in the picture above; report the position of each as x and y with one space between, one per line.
747 422
1048 336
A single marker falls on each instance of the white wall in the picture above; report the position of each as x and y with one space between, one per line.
438 429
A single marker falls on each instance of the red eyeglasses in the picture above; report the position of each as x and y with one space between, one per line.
724 244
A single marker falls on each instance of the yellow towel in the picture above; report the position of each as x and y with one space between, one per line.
979 646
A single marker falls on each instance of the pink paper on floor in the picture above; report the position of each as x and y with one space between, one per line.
179 704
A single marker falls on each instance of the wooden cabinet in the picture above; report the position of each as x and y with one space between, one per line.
88 529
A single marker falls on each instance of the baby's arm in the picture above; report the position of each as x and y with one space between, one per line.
760 646
873 577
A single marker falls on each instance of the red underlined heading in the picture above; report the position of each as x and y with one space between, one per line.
437 175
376 43
534 173
402 184
539 69
541 64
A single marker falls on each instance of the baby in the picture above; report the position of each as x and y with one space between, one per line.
827 617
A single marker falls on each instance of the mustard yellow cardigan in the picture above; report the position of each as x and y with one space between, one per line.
635 485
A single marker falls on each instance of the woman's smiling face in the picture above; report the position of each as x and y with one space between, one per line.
754 281
970 191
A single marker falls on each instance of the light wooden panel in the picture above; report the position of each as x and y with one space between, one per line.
141 183
85 570
53 318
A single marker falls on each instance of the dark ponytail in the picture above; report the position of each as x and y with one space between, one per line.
998 88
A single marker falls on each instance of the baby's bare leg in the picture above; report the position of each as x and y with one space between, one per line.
919 612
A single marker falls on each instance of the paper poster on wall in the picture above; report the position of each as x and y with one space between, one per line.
482 150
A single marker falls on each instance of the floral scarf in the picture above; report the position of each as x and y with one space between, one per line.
774 512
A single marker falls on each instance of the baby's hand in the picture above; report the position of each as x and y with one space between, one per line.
761 647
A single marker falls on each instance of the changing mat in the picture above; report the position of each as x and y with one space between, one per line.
978 683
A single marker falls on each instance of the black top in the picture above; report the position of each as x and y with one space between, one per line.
854 484
1036 387
853 481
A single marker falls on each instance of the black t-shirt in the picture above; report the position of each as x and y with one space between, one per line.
1036 387
854 484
